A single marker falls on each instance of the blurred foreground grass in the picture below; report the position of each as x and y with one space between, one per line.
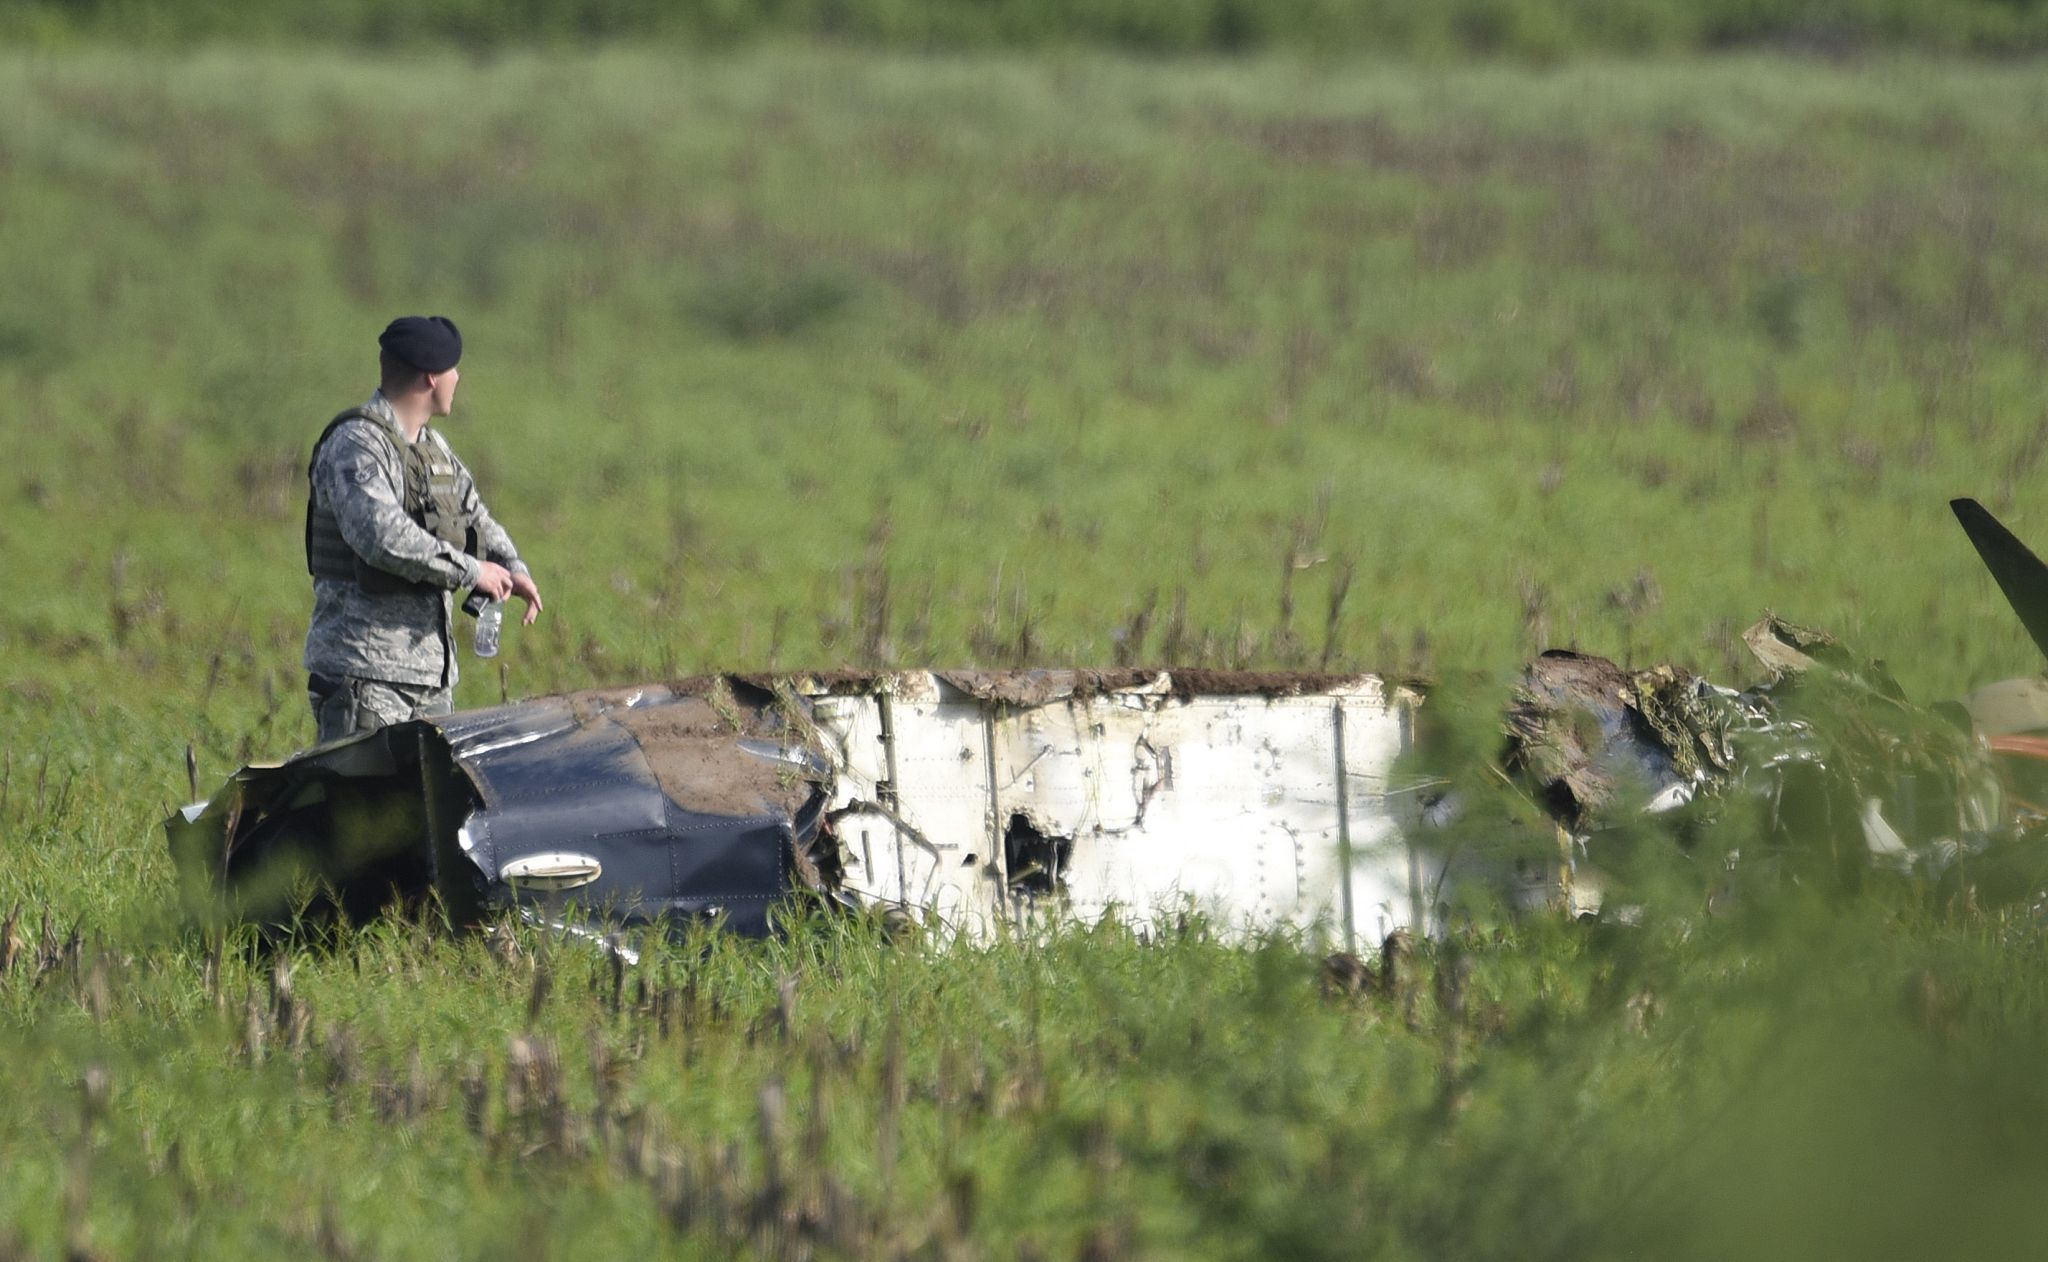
1799 1080
809 358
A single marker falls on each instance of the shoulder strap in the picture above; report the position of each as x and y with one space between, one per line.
353 414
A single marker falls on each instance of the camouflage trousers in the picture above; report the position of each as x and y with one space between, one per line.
345 706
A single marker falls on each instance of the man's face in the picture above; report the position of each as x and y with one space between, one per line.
441 385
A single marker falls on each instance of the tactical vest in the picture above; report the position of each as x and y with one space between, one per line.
431 497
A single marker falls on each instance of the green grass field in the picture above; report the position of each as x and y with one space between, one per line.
813 358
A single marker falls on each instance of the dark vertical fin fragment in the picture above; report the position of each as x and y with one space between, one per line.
2019 573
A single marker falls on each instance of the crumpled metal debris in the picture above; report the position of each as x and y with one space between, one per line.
1585 731
621 807
1825 761
978 799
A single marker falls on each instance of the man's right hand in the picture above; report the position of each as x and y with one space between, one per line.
494 580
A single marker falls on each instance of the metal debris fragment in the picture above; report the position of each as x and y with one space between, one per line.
970 799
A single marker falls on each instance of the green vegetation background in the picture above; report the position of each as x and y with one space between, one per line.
1438 28
818 357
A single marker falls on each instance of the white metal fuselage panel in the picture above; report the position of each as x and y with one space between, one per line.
1235 805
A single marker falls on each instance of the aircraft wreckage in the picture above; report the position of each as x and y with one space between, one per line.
979 799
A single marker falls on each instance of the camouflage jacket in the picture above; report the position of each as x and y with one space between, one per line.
403 637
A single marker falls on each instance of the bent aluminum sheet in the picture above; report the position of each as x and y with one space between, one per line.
654 791
973 799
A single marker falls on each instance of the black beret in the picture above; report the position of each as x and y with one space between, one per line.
428 343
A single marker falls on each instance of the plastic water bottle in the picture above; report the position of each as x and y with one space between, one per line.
488 620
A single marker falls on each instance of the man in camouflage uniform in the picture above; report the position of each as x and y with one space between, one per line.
394 527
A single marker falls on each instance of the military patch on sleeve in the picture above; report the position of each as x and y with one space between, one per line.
362 473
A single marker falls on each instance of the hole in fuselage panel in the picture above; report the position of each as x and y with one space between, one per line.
1036 861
